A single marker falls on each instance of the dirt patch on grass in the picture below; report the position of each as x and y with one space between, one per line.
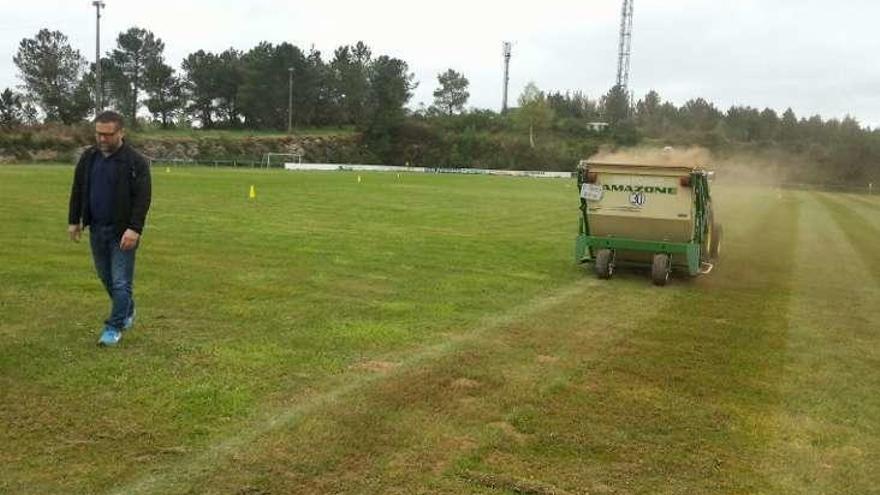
544 359
511 431
440 459
465 384
511 484
375 366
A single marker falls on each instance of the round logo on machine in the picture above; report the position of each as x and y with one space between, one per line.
637 199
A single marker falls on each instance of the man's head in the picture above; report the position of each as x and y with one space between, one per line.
108 131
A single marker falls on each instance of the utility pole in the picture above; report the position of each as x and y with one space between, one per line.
506 49
289 99
99 87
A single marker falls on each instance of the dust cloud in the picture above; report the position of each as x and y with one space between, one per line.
692 156
761 167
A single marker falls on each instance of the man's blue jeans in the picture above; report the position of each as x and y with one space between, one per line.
115 268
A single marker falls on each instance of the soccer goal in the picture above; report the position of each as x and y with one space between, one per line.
279 159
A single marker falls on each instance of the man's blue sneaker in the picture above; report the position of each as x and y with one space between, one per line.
110 336
129 322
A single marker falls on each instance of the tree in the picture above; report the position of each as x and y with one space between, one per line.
768 125
310 92
11 113
391 86
350 81
649 114
263 93
116 86
201 84
165 93
616 105
813 129
137 49
229 77
91 80
573 105
53 75
743 123
534 112
700 115
325 104
452 94
788 126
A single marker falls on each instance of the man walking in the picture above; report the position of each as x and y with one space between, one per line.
111 195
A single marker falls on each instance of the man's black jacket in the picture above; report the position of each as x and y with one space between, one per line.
133 190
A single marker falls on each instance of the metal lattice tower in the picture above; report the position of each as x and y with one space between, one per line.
506 49
625 45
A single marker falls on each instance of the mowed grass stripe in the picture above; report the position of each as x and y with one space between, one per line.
828 424
862 233
591 397
870 201
668 419
685 394
862 205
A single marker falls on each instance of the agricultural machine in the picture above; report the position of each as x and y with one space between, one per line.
657 215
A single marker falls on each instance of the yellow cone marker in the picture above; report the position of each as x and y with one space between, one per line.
253 193
167 170
359 179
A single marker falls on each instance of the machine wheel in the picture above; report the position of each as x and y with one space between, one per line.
715 247
708 240
604 265
660 269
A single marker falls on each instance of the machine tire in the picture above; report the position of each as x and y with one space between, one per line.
660 269
604 265
708 239
715 248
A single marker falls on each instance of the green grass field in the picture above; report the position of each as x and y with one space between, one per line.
431 334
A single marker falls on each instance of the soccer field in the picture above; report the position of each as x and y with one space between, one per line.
431 334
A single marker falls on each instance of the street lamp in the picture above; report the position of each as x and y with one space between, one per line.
99 88
289 98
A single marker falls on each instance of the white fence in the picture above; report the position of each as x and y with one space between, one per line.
327 167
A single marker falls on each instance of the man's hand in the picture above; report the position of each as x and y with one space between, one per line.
75 231
129 240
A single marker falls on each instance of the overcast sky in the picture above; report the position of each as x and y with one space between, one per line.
816 56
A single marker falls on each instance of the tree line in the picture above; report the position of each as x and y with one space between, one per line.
250 89
842 149
232 89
